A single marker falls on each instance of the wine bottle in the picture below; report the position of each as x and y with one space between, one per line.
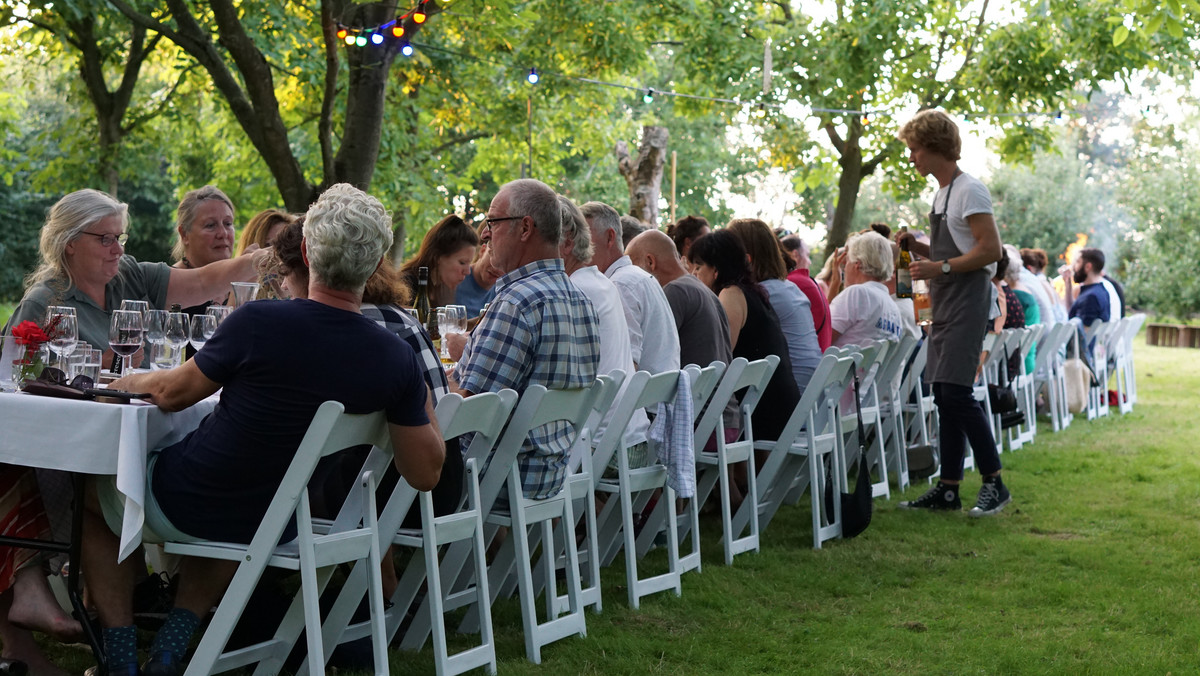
422 301
904 281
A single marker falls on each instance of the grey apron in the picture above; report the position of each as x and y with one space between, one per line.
960 308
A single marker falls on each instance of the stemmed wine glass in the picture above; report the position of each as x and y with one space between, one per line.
177 335
125 334
156 333
220 312
137 306
63 325
203 327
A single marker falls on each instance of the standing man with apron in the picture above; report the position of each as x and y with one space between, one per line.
959 262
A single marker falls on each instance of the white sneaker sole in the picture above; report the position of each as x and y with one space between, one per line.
977 512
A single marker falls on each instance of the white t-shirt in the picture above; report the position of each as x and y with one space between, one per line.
1115 311
865 312
653 337
908 316
614 343
968 197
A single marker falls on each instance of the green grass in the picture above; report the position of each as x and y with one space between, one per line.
6 310
1091 569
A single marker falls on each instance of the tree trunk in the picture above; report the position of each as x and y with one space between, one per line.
851 161
644 174
363 130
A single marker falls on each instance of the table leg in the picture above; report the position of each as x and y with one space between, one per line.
73 587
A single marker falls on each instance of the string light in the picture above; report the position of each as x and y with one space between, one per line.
356 36
419 16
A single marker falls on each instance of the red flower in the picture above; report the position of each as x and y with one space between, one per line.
29 333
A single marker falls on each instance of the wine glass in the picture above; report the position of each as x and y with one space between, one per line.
451 319
125 334
136 306
220 312
63 330
176 333
203 326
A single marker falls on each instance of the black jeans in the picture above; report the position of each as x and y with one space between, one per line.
961 419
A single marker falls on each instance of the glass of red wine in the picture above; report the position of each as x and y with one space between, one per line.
125 336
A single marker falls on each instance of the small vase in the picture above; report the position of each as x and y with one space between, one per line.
24 370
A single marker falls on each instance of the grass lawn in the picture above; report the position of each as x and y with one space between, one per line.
1091 569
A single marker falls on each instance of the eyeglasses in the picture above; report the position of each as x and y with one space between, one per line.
489 222
109 240
55 376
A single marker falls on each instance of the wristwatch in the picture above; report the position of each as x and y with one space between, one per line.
945 267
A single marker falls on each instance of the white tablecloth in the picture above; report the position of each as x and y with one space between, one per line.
94 438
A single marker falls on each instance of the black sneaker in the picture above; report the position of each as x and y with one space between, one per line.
941 496
993 496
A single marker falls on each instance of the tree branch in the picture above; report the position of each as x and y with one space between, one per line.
972 42
466 138
325 126
872 164
835 138
51 30
162 104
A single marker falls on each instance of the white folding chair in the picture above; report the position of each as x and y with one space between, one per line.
538 407
616 521
891 405
704 382
1097 337
871 357
797 458
353 538
990 374
920 413
712 467
1048 373
1126 382
484 416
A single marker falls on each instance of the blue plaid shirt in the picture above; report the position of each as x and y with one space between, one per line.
538 330
400 322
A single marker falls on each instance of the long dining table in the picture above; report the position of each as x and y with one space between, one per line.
89 438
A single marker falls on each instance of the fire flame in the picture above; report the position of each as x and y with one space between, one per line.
1073 248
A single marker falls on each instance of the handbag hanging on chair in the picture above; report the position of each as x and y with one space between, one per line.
856 506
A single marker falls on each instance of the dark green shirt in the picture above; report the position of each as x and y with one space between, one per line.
134 281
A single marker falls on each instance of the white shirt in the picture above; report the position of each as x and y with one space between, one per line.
863 312
653 337
968 196
1115 311
1035 287
614 343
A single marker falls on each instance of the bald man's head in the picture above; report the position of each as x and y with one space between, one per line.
654 252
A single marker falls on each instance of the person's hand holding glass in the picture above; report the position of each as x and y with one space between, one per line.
125 334
62 327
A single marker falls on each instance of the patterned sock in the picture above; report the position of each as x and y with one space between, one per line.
176 633
121 645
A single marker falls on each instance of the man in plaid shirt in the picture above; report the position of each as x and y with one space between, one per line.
538 330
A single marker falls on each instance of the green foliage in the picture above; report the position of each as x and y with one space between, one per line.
1164 195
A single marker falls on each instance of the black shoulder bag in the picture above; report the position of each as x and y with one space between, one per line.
856 506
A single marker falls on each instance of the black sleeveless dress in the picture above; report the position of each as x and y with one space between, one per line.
760 337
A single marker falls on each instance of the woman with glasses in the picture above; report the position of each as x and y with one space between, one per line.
82 264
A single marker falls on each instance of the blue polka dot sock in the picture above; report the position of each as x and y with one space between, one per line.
176 633
120 644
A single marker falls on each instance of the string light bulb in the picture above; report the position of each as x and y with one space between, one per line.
397 31
361 41
419 15
376 39
533 76
349 39
648 97
342 33
407 49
